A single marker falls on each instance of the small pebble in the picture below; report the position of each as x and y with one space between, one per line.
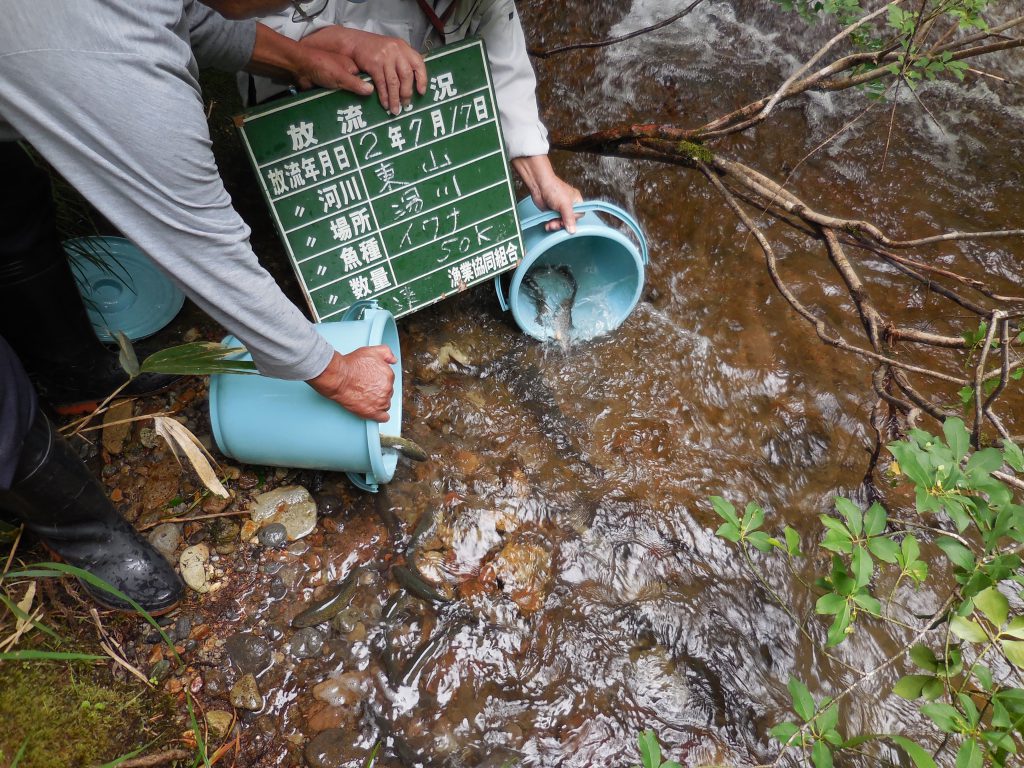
306 643
245 694
219 722
273 536
330 504
166 538
249 652
278 589
193 562
160 671
182 628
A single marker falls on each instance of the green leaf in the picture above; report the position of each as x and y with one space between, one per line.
983 463
924 657
126 355
874 520
753 516
956 552
671 764
761 541
840 627
862 566
911 686
944 716
828 718
725 510
993 605
970 755
830 604
868 603
914 751
821 755
854 517
883 548
792 541
1015 628
1013 455
729 532
783 732
1014 652
957 437
933 689
200 358
650 750
967 630
984 675
803 704
907 456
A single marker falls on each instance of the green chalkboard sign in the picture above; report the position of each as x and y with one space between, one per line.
405 209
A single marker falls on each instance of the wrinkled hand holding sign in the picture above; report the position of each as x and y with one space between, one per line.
404 209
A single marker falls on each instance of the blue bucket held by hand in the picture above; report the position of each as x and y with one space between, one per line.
607 267
260 420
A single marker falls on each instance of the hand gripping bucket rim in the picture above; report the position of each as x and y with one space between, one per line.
588 226
235 439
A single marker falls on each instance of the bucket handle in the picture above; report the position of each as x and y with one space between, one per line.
593 205
359 309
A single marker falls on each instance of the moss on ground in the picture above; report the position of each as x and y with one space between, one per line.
72 715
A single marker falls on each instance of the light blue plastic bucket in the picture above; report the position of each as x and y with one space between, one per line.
259 420
607 266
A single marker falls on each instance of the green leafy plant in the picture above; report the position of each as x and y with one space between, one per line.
650 752
964 666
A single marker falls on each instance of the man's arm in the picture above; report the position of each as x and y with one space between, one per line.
162 190
515 87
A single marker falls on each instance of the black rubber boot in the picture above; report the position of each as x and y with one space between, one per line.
60 501
41 311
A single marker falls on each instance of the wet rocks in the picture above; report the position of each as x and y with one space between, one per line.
166 538
328 749
522 570
290 505
273 536
219 724
330 504
306 643
346 690
249 652
245 694
193 562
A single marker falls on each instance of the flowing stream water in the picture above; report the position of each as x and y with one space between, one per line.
564 514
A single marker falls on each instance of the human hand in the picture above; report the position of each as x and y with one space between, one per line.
329 70
361 382
549 192
395 67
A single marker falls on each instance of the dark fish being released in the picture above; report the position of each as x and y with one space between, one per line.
406 448
553 290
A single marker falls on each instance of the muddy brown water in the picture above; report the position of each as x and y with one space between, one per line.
564 512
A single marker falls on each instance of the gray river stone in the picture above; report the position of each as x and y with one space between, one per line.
290 505
166 538
245 694
250 653
306 643
273 536
328 749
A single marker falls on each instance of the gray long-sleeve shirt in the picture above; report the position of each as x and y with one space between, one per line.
107 92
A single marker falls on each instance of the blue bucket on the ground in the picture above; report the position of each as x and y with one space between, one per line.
259 420
607 266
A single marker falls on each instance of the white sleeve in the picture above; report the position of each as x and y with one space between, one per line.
217 42
515 84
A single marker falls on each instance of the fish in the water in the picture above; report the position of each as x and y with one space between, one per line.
553 290
330 606
403 446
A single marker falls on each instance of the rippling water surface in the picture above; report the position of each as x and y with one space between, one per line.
564 513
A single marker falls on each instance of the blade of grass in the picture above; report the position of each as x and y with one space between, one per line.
200 739
21 753
49 656
13 608
58 570
199 358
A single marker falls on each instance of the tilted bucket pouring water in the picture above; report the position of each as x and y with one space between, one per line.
259 420
607 267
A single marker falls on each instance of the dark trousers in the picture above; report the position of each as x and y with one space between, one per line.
17 411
